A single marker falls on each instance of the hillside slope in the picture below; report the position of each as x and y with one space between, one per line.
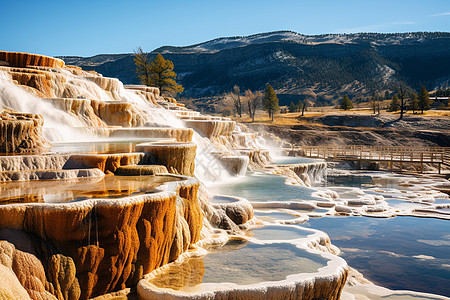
320 67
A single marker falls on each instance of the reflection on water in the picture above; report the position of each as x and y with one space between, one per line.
362 181
241 263
51 191
260 186
291 160
271 216
277 233
398 253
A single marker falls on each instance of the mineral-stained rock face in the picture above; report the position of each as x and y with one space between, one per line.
21 133
81 108
83 249
148 89
49 174
138 170
179 158
108 163
118 113
19 59
111 85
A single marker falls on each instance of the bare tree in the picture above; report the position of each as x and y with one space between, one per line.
142 65
253 102
402 91
305 104
375 102
236 96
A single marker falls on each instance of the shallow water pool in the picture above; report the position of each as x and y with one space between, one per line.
264 187
242 263
405 253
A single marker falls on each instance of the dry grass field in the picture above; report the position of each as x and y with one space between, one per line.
296 119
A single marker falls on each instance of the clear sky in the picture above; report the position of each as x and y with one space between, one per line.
86 28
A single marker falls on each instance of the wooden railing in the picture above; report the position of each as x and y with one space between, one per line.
390 154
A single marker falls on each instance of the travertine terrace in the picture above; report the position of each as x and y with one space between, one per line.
78 225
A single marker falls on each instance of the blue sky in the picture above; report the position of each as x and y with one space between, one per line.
86 28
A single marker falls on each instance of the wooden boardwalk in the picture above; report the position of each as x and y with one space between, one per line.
390 154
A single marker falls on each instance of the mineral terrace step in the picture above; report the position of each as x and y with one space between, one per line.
26 175
135 170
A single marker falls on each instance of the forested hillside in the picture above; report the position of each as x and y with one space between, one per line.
321 68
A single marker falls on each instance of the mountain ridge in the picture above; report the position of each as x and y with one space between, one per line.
318 67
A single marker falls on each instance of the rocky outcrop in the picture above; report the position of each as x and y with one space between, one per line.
21 133
19 59
179 158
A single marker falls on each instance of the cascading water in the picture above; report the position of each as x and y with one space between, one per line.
207 167
157 116
58 125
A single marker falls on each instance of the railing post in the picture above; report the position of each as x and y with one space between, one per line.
421 162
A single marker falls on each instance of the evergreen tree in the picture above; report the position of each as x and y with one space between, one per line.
424 99
299 105
292 107
270 101
413 102
346 103
395 103
158 73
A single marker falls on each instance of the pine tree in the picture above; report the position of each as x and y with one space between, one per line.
270 101
395 103
292 107
413 102
346 103
158 73
299 105
424 99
